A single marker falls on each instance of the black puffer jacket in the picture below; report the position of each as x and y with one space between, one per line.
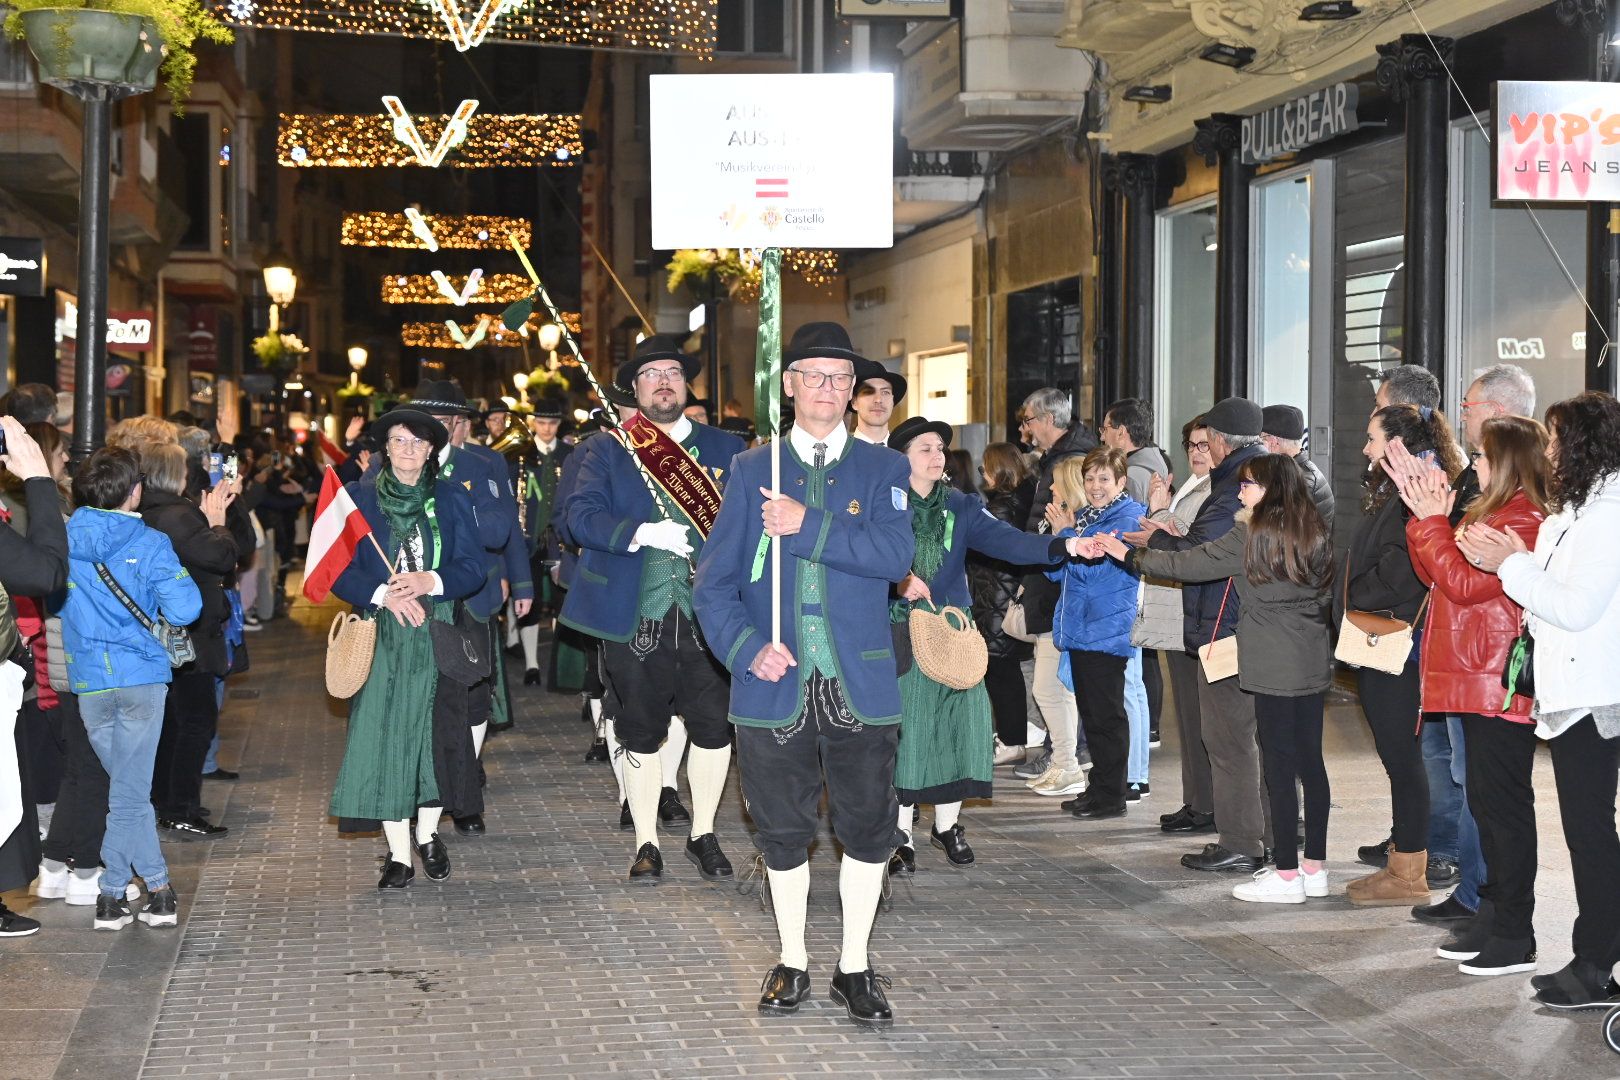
208 554
994 583
1040 593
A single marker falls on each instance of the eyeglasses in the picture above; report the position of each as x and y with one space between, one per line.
404 444
662 375
1249 483
815 380
1025 421
1474 404
1201 447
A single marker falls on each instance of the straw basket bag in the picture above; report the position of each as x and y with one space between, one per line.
952 654
349 646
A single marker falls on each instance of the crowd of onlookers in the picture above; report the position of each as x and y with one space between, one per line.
131 587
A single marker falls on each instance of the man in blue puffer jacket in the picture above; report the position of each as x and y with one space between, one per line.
119 670
1091 624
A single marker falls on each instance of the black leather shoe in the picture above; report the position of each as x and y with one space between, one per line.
1448 912
195 828
1218 860
1074 804
903 861
649 864
953 842
221 774
1375 854
1188 820
598 750
861 995
435 859
471 825
626 822
1100 810
711 862
531 677
1174 815
784 990
1442 872
395 875
670 810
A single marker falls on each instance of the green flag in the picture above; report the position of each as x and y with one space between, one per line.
768 357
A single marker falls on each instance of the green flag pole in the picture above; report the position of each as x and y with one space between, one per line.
768 403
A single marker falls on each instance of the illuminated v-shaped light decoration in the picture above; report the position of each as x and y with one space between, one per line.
466 36
454 133
468 291
419 228
464 339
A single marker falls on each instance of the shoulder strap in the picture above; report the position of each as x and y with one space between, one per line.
118 591
1219 615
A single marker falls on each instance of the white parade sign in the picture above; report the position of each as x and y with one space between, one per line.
788 161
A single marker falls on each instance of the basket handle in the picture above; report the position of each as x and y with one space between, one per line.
946 613
337 626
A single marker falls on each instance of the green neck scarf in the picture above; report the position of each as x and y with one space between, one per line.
929 523
404 507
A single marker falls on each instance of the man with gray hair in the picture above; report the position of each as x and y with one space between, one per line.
1498 390
1409 384
1047 420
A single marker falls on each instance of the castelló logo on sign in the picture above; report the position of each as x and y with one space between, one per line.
770 219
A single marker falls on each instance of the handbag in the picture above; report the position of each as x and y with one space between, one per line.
1519 670
175 640
950 652
1220 657
461 647
1013 622
1373 639
350 644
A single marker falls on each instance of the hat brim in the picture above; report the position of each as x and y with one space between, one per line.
897 383
419 421
902 436
626 375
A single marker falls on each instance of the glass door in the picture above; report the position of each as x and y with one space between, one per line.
1184 338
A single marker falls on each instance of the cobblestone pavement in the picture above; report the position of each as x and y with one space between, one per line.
1069 950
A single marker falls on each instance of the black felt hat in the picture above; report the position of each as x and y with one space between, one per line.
913 426
831 341
897 383
652 349
740 426
442 399
1283 422
614 394
422 424
547 409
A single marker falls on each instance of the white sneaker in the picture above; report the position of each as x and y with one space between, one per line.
1269 888
1315 884
81 890
1007 755
1061 782
51 884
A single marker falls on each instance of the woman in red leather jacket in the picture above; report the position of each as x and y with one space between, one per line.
1471 627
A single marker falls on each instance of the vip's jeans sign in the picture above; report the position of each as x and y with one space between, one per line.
1558 141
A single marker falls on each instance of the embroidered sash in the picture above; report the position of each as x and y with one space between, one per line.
681 478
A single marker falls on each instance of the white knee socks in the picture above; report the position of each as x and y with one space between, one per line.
615 759
790 895
530 637
905 821
478 733
860 886
427 822
398 834
642 786
706 772
669 755
945 815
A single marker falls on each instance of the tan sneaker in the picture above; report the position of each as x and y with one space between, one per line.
1061 782
1051 771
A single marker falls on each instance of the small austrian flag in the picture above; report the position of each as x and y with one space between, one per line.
770 188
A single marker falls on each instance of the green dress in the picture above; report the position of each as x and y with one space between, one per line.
946 736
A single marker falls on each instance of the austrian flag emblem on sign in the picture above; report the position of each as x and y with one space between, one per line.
770 189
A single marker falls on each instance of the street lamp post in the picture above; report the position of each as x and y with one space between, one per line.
357 362
281 282
521 382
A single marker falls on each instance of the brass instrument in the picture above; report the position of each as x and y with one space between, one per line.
516 444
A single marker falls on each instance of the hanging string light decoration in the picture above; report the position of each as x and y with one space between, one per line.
437 335
406 132
648 26
425 289
363 141
471 232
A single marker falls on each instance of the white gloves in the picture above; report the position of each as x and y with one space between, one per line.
664 535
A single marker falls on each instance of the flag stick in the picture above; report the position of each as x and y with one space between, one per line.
386 560
776 546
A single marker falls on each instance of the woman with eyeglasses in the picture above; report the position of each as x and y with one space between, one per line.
407 748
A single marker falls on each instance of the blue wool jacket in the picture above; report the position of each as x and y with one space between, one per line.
977 529
106 646
861 536
461 554
607 502
1098 604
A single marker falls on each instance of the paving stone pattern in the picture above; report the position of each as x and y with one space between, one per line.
536 958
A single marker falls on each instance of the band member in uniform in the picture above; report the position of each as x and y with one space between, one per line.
633 589
535 457
482 474
828 695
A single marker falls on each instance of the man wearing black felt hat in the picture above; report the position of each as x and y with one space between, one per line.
874 406
1282 430
536 467
826 697
641 508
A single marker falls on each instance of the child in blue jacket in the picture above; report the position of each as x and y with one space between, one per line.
119 670
1092 623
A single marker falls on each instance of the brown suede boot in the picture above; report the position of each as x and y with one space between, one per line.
1403 881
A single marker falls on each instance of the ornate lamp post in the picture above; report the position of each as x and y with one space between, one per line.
281 282
521 382
357 363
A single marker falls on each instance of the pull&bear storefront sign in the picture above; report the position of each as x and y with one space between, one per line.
1305 121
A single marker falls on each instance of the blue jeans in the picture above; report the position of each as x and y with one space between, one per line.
1452 831
124 725
211 762
1136 714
